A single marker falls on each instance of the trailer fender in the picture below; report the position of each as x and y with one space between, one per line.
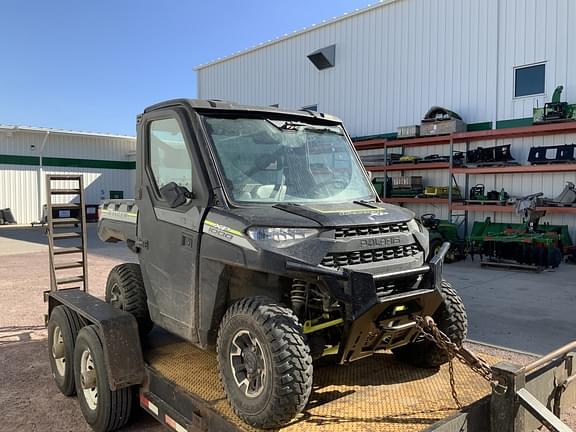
119 332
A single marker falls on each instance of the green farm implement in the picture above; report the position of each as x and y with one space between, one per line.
543 246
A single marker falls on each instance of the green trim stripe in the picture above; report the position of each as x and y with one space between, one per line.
66 162
473 127
224 228
19 160
513 123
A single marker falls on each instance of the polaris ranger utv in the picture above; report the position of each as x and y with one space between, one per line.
259 235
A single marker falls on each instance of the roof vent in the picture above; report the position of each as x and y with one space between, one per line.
324 57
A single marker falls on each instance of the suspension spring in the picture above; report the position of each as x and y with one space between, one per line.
298 295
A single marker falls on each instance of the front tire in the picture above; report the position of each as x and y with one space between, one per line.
264 363
103 409
125 290
451 319
63 327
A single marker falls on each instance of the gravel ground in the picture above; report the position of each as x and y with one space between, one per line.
29 400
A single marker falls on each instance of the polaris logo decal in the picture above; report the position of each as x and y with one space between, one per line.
383 241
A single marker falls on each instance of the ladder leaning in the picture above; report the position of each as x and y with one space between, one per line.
66 233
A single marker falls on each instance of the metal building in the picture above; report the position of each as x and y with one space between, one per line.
384 66
397 58
27 154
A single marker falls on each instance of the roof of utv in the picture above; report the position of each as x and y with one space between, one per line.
219 105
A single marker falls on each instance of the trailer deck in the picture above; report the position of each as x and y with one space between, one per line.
373 394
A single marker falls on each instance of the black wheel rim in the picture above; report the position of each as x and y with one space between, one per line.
116 297
248 363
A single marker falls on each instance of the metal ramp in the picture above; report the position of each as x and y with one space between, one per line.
66 229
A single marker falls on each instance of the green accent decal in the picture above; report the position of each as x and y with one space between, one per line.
119 213
347 211
66 162
224 228
513 123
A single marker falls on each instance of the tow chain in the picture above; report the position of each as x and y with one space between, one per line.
430 331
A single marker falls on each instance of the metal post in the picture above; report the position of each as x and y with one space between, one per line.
505 412
41 190
450 164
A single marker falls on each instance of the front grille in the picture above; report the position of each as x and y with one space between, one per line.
392 287
359 231
367 256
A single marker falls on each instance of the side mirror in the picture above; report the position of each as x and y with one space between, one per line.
175 194
370 175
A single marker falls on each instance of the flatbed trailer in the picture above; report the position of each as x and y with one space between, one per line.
178 385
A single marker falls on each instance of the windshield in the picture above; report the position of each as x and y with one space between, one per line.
275 161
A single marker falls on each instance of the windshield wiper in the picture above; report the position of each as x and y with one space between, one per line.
366 203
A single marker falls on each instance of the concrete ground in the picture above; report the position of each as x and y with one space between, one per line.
526 311
531 312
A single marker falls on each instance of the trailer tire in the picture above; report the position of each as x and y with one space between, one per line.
125 290
63 327
451 319
264 362
103 409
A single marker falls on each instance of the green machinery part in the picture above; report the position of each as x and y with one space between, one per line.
542 247
441 231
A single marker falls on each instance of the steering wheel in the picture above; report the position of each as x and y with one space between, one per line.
429 220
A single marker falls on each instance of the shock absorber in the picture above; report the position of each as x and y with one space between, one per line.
298 296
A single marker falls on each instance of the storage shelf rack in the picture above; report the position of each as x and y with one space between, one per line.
467 138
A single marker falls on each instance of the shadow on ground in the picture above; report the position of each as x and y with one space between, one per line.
29 399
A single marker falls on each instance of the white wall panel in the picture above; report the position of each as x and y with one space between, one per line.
18 191
22 186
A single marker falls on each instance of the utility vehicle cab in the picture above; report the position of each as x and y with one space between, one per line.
258 233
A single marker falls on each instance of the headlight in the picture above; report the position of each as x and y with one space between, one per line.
281 237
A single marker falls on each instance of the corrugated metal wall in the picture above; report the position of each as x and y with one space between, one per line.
22 185
396 60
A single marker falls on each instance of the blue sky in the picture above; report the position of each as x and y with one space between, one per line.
93 65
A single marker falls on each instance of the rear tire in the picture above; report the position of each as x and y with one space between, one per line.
63 327
265 365
451 319
103 409
125 290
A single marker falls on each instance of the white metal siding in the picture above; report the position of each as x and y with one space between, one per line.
395 61
19 192
534 31
21 185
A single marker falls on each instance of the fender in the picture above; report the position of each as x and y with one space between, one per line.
118 330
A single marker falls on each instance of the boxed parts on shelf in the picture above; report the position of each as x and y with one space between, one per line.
407 186
441 121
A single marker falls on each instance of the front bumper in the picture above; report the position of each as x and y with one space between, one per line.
373 319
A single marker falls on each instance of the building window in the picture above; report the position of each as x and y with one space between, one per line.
310 108
529 80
